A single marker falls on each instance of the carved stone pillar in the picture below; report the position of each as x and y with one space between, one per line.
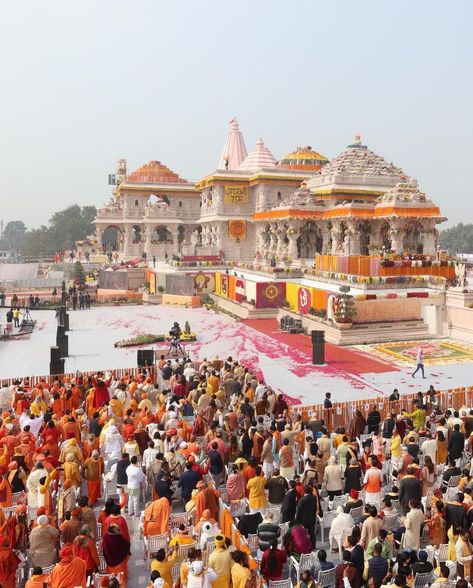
337 241
99 234
126 240
430 241
326 248
396 235
353 238
293 234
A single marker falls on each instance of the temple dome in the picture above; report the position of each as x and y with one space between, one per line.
358 160
260 157
155 172
304 159
234 150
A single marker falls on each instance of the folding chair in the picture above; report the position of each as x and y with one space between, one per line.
176 573
326 578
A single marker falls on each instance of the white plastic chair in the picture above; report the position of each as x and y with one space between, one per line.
326 578
153 543
441 554
183 550
325 521
421 580
280 583
276 512
252 541
356 512
306 562
339 501
391 522
238 507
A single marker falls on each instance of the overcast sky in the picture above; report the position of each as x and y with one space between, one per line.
84 83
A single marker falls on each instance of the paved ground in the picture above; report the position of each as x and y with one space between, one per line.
284 360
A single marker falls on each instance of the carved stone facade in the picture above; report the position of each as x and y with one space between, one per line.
357 204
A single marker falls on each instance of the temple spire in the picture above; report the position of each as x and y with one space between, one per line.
234 151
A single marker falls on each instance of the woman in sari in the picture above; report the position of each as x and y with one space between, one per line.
236 485
116 551
442 448
437 525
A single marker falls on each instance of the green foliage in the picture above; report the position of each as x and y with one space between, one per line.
13 235
65 228
79 274
458 239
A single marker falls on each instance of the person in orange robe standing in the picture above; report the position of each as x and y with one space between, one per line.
70 571
207 498
8 564
94 468
157 517
85 548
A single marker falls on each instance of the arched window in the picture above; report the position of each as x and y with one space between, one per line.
180 204
279 196
136 202
161 235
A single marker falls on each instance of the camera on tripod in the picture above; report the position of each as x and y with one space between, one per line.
175 332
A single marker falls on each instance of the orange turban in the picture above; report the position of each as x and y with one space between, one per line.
40 511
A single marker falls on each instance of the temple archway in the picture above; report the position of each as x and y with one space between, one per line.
112 237
136 234
161 234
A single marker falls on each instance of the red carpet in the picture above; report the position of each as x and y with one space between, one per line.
349 360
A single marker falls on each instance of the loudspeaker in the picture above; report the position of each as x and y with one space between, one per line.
318 347
56 367
54 354
145 357
63 344
60 333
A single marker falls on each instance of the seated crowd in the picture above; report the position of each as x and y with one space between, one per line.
206 474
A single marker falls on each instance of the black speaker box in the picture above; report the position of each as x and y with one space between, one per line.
56 367
318 347
54 354
145 357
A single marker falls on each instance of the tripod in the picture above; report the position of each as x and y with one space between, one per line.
176 349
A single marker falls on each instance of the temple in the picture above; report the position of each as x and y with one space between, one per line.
254 208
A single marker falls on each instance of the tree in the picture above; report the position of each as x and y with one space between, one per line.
14 234
38 243
458 239
72 224
79 274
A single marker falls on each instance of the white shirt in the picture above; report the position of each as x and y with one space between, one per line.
149 455
35 424
135 476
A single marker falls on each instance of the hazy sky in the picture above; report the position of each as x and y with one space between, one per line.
86 82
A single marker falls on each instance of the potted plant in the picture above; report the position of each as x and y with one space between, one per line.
344 309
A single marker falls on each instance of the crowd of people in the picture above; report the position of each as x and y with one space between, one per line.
89 463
